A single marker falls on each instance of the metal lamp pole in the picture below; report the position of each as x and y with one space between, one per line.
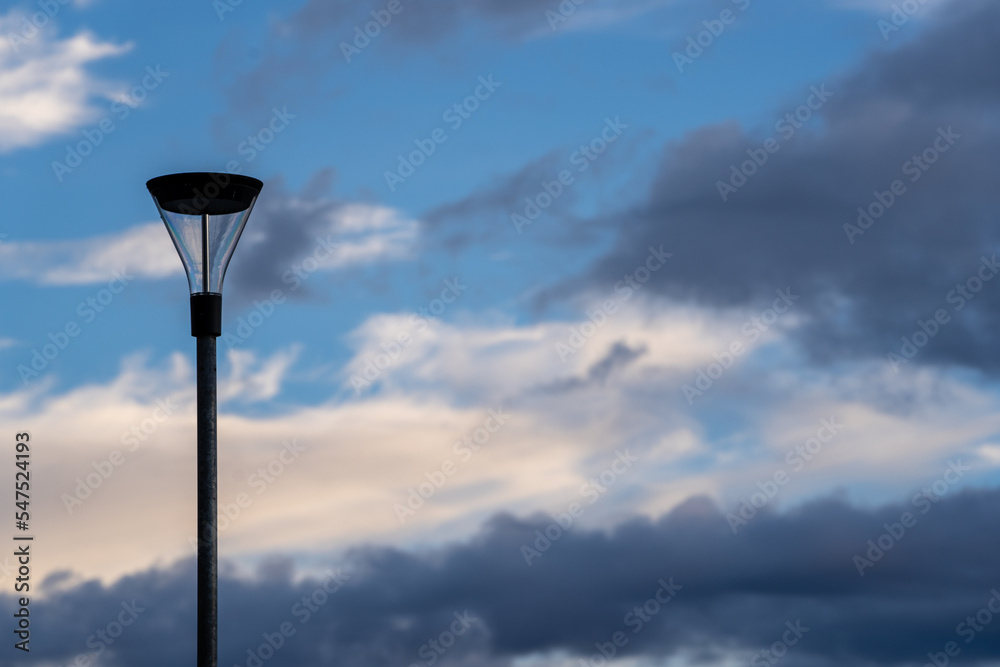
205 214
205 329
208 513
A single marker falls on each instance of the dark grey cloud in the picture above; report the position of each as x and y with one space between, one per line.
305 47
283 228
288 240
301 50
528 209
618 356
419 22
484 216
737 592
785 226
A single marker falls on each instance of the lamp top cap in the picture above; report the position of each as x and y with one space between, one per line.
200 193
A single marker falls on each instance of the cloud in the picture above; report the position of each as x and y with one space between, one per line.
291 236
46 88
255 380
730 596
430 23
437 407
887 6
484 216
789 224
496 362
318 38
144 250
288 238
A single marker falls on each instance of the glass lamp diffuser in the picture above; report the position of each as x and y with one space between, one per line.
205 214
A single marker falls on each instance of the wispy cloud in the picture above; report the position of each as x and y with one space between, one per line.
283 236
144 251
293 236
44 82
252 379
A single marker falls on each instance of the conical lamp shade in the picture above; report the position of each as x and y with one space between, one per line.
205 214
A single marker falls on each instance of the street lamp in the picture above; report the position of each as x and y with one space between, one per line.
205 214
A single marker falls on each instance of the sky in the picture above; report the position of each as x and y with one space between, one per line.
652 333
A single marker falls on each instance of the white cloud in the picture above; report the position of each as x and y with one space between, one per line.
143 250
359 458
366 233
45 87
490 363
252 379
361 233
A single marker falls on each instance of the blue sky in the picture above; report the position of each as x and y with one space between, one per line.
515 265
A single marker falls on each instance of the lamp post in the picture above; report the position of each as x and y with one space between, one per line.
205 214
